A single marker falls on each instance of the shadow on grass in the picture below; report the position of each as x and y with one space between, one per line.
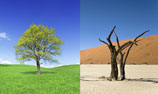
35 72
153 80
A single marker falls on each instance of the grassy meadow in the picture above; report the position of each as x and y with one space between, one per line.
22 79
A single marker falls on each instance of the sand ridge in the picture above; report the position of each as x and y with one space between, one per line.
145 53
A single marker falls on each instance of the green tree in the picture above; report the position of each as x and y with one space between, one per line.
38 43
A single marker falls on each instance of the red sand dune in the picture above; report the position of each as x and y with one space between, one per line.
145 53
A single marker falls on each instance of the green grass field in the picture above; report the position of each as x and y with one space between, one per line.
22 79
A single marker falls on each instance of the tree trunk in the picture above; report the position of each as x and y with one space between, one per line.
114 68
122 67
122 71
38 67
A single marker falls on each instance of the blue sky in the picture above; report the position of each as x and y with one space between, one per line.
16 16
131 17
78 22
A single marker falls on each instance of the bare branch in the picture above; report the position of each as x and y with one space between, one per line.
127 54
135 40
110 36
127 44
117 40
111 32
103 41
141 35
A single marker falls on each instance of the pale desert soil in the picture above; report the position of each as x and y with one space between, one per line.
143 79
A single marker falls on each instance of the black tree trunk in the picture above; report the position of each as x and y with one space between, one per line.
122 67
122 71
114 68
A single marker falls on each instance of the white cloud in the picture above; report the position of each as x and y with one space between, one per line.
4 36
5 61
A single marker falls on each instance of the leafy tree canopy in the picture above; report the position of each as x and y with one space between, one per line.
38 43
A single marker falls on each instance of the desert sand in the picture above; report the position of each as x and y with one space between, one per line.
141 79
145 53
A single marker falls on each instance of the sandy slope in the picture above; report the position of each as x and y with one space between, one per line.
143 80
145 53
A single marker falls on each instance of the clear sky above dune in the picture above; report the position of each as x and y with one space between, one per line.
131 17
16 16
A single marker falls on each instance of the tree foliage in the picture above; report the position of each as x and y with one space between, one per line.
38 43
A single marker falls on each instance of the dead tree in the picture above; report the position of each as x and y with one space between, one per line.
114 68
114 54
123 60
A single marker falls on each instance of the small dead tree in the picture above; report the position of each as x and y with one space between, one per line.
123 60
114 54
